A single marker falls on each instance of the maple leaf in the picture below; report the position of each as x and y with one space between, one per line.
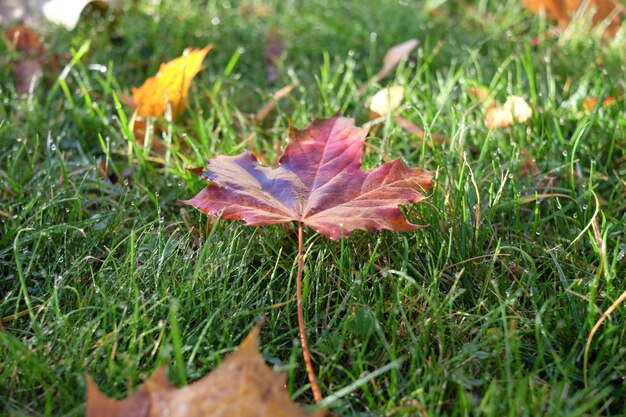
170 85
243 386
318 182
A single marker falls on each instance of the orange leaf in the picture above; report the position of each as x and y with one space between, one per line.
590 103
169 85
563 10
243 386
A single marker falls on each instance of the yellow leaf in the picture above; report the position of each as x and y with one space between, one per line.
515 109
169 85
387 100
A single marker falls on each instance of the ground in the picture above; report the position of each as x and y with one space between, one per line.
486 311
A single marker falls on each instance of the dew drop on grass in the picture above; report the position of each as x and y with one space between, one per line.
575 215
585 207
622 252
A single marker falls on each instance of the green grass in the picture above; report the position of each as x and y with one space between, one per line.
485 312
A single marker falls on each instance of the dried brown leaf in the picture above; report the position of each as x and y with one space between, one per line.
243 386
269 106
274 48
28 73
414 129
25 40
394 56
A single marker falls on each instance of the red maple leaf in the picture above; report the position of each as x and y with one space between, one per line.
318 182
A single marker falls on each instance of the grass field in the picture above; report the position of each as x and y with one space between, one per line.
485 312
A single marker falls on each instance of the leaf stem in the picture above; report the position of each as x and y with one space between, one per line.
317 394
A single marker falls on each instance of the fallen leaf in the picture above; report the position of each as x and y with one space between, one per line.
269 106
28 65
243 386
28 73
170 85
414 129
386 100
274 48
318 182
24 40
394 56
563 10
253 8
558 10
515 109
140 128
62 12
480 93
590 103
